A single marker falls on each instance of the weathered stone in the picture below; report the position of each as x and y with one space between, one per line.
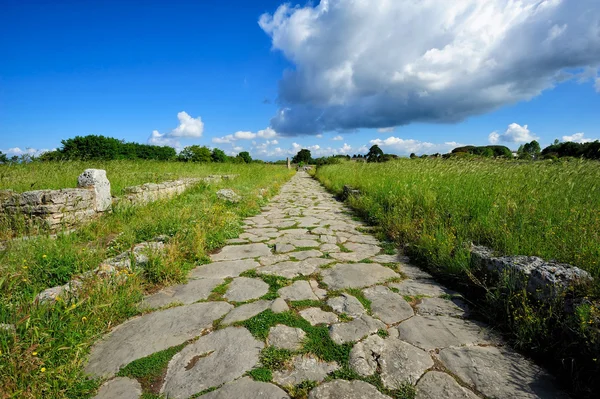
301 255
96 179
388 306
355 329
414 272
227 194
420 287
499 373
298 291
304 368
384 258
342 389
359 252
246 251
317 316
214 359
243 289
441 307
438 385
364 239
285 337
398 361
319 292
230 268
271 259
330 248
142 336
347 304
282 248
120 388
304 243
190 292
236 241
279 306
293 269
247 311
246 388
356 275
437 332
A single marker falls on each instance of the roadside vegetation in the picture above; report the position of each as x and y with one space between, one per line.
45 355
435 209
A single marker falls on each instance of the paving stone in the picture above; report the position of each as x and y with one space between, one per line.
236 241
120 388
328 239
301 255
281 248
245 251
297 233
437 332
246 311
438 385
346 303
414 272
363 239
279 306
384 258
388 306
305 243
359 252
285 337
356 275
330 248
225 269
308 221
319 292
298 291
282 224
272 259
246 388
499 373
441 307
317 316
293 269
214 359
243 289
355 329
398 361
342 389
304 368
191 292
153 332
420 287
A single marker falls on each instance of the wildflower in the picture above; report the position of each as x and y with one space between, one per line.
34 353
73 306
25 267
84 319
44 256
43 369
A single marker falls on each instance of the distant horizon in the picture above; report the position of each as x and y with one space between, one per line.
271 78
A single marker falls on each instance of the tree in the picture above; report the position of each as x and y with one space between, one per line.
303 155
195 153
3 158
245 156
413 155
375 154
218 155
532 148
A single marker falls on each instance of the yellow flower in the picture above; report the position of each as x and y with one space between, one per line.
25 267
34 353
43 369
83 318
73 306
44 256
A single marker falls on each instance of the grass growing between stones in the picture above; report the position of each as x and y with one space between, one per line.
45 358
435 208
150 370
261 374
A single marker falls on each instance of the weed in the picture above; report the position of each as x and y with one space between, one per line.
261 374
274 359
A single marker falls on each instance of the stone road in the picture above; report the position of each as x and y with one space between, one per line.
404 327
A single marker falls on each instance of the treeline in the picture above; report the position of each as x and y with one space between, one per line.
589 150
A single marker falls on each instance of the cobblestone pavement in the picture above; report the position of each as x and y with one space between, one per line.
305 266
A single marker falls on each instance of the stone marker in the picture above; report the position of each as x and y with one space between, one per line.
120 388
96 179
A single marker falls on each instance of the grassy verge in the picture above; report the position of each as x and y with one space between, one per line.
46 355
436 208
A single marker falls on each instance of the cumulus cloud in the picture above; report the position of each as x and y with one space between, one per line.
267 133
27 151
337 138
386 129
400 146
381 63
268 150
515 133
188 128
578 138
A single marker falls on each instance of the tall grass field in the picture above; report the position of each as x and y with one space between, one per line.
435 209
46 355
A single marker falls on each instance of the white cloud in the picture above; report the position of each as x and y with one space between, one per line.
267 133
597 85
386 129
515 133
244 135
188 128
337 138
400 146
27 151
578 138
382 63
319 136
267 150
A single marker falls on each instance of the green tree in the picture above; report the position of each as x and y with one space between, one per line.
375 154
195 153
3 158
532 148
245 156
218 155
413 155
303 155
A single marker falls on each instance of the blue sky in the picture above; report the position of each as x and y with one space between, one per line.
334 76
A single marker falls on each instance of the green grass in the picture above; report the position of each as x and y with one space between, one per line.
274 359
56 339
261 374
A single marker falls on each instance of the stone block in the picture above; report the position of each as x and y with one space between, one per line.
96 179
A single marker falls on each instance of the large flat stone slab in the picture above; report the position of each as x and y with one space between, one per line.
293 269
437 332
388 306
304 368
145 335
285 337
317 316
398 361
347 304
438 385
225 269
420 287
214 359
191 292
356 275
120 388
298 291
499 373
246 388
243 289
244 251
441 307
342 389
355 329
249 310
